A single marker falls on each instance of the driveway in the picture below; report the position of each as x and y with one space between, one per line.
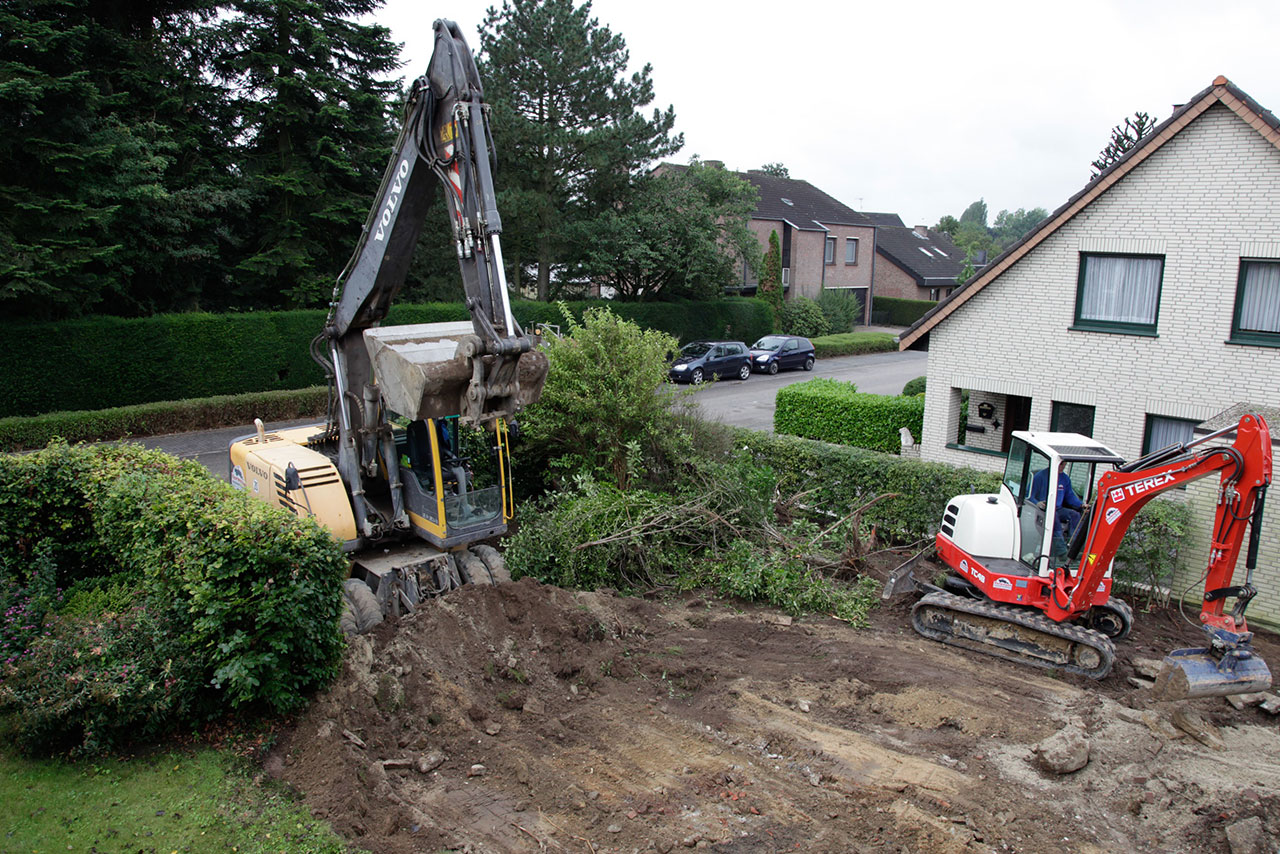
741 404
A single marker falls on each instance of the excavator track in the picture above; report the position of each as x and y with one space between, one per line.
1013 634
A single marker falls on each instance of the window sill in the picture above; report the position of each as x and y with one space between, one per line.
1250 341
987 451
1138 331
851 263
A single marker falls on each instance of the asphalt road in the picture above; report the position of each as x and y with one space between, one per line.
742 404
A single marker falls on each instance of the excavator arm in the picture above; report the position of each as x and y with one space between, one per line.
1244 469
481 372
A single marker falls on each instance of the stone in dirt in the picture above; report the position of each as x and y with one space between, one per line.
1064 752
1147 667
1271 704
1190 722
1248 837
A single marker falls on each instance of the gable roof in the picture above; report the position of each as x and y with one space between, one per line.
928 256
799 203
885 219
1221 91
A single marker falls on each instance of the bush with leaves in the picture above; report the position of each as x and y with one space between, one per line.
716 529
854 344
842 310
229 604
606 408
835 411
803 316
913 387
1149 553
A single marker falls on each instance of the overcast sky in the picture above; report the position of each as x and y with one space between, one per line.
915 108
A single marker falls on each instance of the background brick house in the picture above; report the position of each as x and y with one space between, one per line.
915 263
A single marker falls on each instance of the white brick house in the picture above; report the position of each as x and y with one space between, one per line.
1148 303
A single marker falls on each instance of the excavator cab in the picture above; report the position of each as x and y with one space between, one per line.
1034 470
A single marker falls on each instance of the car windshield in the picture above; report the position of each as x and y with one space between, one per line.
695 348
769 342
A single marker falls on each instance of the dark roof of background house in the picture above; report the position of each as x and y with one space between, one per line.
885 219
927 255
799 203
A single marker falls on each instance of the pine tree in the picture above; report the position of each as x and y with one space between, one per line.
570 136
770 287
315 137
100 192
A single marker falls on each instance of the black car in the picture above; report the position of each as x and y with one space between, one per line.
701 360
773 353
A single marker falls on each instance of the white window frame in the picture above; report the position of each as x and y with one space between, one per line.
851 243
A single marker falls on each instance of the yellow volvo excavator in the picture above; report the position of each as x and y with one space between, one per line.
412 467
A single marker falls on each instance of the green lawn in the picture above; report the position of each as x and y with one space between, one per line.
173 802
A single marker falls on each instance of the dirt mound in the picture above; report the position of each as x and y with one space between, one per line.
527 718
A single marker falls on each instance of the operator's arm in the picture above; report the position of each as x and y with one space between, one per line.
1068 495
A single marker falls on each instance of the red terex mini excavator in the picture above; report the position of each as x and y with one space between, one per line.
1028 590
416 444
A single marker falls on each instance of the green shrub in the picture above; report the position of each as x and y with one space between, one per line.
605 411
854 344
842 310
901 312
236 608
802 316
152 419
913 387
1149 553
110 362
834 411
840 479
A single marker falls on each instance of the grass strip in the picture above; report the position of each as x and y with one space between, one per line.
169 802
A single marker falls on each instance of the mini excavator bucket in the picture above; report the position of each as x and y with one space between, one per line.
437 370
1190 673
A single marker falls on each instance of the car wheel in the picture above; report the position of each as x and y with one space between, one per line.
696 376
744 371
773 367
808 364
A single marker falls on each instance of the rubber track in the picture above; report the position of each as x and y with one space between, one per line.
1022 649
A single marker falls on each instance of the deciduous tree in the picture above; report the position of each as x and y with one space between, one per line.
569 126
1123 137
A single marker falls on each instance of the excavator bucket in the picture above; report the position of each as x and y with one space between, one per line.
903 579
1189 673
425 370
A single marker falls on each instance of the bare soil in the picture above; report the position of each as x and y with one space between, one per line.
525 718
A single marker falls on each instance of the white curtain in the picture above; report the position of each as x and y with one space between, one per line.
1260 304
1168 431
1120 290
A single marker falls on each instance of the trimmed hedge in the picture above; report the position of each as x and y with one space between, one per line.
854 344
840 479
834 411
901 312
103 362
154 419
208 600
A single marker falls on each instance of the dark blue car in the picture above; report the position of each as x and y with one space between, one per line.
702 360
774 353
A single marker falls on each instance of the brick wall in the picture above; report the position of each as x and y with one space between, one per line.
893 281
1204 200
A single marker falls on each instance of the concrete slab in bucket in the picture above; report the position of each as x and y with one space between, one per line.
419 369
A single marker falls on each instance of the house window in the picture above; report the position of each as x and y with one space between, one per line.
1162 432
851 250
1119 293
829 254
1257 315
786 278
1071 418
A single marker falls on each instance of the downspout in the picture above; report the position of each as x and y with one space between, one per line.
871 287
